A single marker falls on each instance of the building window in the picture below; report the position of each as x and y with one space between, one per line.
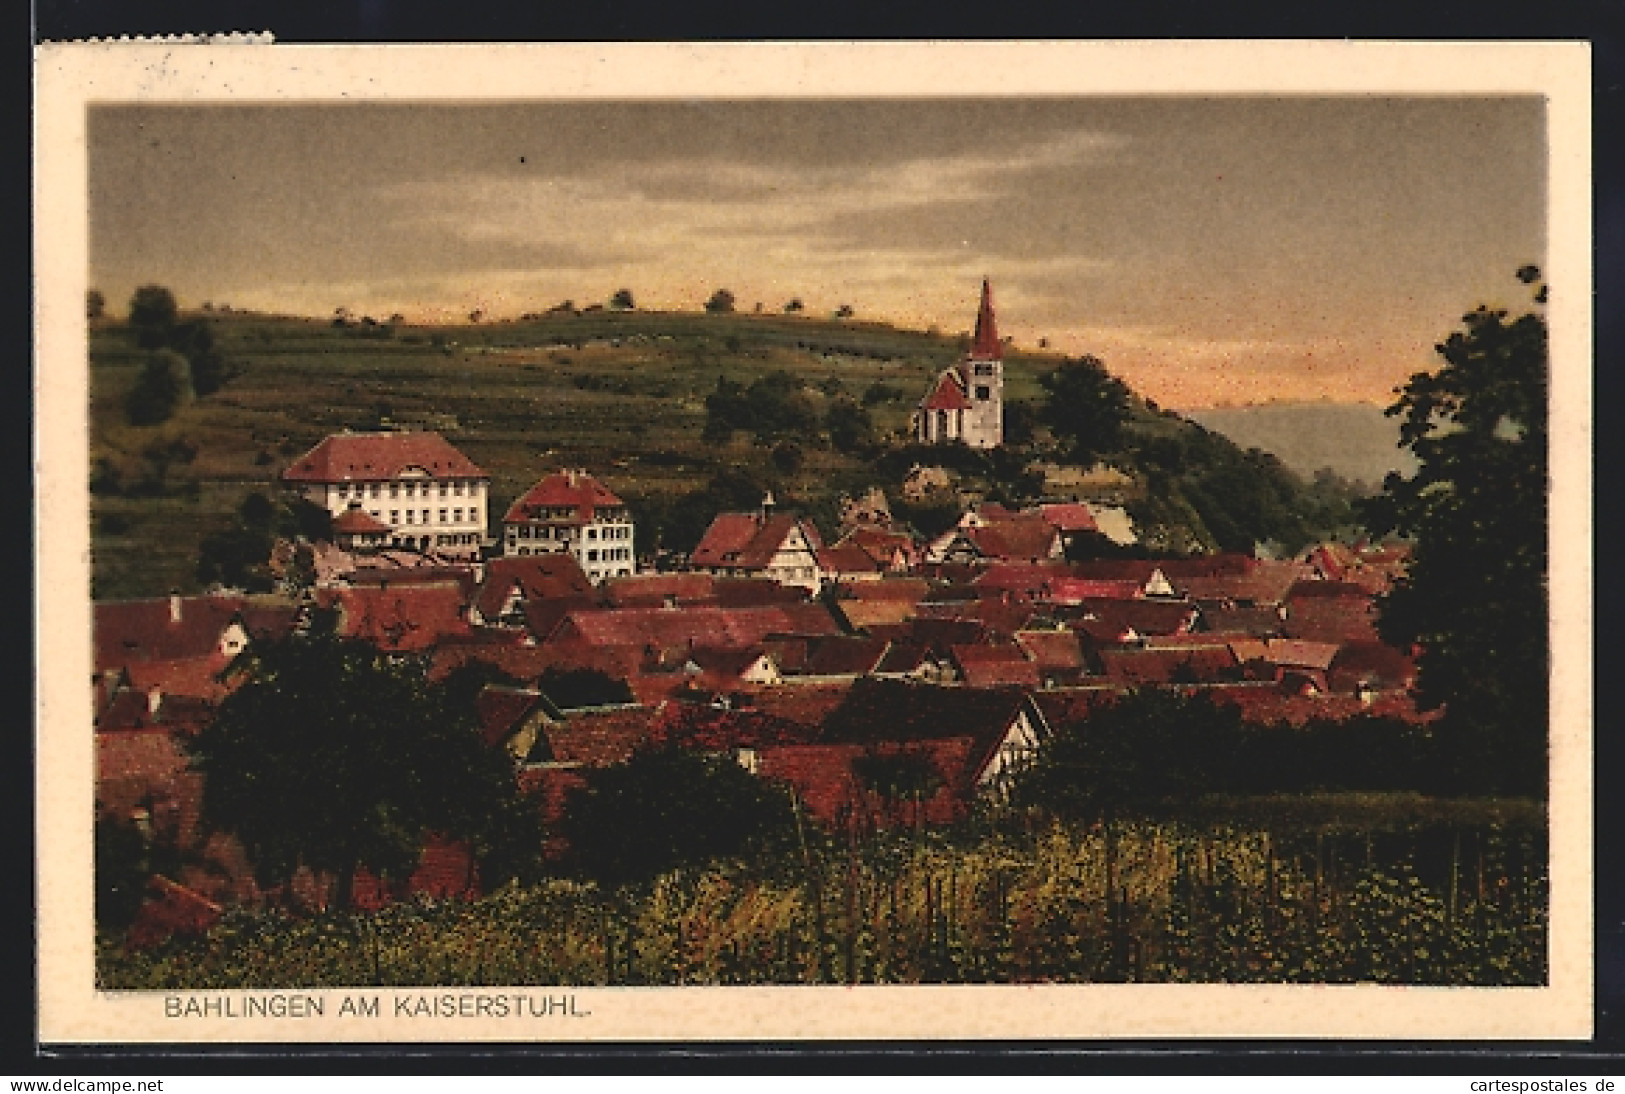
457 488
425 516
442 489
409 513
394 489
592 533
473 516
457 515
592 556
373 490
442 516
394 516
983 392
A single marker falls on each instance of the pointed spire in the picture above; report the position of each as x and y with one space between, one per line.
987 344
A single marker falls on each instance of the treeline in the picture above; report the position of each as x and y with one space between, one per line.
780 406
1157 750
183 363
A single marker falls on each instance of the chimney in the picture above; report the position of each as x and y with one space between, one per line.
155 699
174 605
767 505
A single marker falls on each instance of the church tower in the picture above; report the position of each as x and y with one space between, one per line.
966 402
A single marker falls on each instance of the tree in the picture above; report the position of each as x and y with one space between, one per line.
571 689
849 425
1153 748
1085 408
1474 598
165 383
195 342
152 315
622 300
721 301
95 304
670 808
335 756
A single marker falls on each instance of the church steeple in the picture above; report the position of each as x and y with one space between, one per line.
987 344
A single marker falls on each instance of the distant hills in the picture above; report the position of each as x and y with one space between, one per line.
1354 439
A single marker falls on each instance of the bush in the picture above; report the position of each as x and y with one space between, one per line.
574 688
671 808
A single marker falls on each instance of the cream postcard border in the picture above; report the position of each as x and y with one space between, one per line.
70 76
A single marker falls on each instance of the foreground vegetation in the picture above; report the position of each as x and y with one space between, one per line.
1411 892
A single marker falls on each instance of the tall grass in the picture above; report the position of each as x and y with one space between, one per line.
1141 902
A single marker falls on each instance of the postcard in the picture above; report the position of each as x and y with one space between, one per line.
929 541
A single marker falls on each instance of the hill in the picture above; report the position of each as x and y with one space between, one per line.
622 394
1356 440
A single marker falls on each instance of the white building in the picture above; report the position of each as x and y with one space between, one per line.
572 511
966 401
429 496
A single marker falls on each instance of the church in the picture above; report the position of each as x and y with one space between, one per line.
966 401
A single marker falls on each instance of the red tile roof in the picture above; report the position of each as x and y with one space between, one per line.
1051 649
1021 538
654 589
1075 590
174 909
1069 517
705 727
502 711
1223 618
748 541
356 521
1134 667
827 786
1299 654
948 393
1332 619
575 489
881 544
366 457
399 618
1144 616
986 343
909 589
600 738
842 655
1268 582
148 630
533 577
846 560
1028 578
198 678
806 704
671 628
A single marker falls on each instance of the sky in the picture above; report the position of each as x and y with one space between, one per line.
1210 251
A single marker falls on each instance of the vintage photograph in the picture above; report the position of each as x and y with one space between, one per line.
569 543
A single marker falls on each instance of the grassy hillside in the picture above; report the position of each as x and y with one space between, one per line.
619 393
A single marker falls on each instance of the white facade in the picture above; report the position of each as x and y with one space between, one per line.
445 516
603 547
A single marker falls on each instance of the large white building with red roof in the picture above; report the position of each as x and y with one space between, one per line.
418 491
965 404
572 511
